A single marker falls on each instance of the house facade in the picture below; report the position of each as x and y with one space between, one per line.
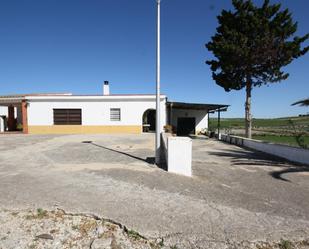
106 113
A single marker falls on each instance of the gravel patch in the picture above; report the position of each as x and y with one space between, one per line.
58 229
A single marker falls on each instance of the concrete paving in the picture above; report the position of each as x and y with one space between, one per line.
236 196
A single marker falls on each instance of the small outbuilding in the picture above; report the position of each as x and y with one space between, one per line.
190 118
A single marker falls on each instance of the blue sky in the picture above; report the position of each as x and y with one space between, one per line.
73 46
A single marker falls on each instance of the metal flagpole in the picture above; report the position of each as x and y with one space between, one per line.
158 125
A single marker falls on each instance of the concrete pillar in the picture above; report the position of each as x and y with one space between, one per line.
24 116
219 135
179 155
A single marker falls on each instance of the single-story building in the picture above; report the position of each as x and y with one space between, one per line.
106 113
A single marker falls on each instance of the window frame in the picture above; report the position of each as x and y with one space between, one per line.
67 116
113 115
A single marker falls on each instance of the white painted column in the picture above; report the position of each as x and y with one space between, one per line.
158 123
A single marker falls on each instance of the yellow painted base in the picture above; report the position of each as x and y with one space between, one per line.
81 129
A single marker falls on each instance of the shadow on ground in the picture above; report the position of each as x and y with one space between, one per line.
255 158
148 160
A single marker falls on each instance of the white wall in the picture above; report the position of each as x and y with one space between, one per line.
176 152
201 117
288 152
94 111
3 111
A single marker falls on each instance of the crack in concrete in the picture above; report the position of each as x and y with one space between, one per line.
98 218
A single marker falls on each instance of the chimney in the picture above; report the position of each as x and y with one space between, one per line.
106 88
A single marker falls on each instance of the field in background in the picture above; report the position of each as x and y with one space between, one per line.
292 131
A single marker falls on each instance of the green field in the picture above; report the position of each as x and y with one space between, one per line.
287 140
287 122
292 131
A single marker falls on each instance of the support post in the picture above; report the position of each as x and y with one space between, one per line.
24 116
171 115
208 121
219 124
158 123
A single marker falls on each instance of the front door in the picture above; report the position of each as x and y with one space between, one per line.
185 126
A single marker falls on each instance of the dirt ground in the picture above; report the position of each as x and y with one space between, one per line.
236 198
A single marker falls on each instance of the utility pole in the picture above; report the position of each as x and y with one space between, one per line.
158 123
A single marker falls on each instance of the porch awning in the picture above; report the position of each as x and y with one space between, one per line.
10 100
197 106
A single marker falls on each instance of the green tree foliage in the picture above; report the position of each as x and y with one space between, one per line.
252 45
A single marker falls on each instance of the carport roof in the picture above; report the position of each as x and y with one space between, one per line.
17 98
197 106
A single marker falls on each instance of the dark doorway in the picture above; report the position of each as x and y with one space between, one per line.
149 121
11 121
185 126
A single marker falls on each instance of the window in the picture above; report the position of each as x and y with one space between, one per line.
67 116
115 114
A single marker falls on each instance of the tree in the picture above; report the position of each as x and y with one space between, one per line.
304 102
252 45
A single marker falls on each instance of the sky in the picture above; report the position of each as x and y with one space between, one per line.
74 45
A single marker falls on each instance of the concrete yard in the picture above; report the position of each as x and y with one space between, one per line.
236 199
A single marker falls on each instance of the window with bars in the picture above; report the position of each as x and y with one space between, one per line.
115 114
67 116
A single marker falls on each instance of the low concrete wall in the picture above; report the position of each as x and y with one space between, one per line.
290 153
177 153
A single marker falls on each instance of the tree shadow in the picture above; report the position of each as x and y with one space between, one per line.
148 160
248 157
278 174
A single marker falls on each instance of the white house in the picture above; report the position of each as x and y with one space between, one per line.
105 113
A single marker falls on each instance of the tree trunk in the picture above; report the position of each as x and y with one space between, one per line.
248 109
